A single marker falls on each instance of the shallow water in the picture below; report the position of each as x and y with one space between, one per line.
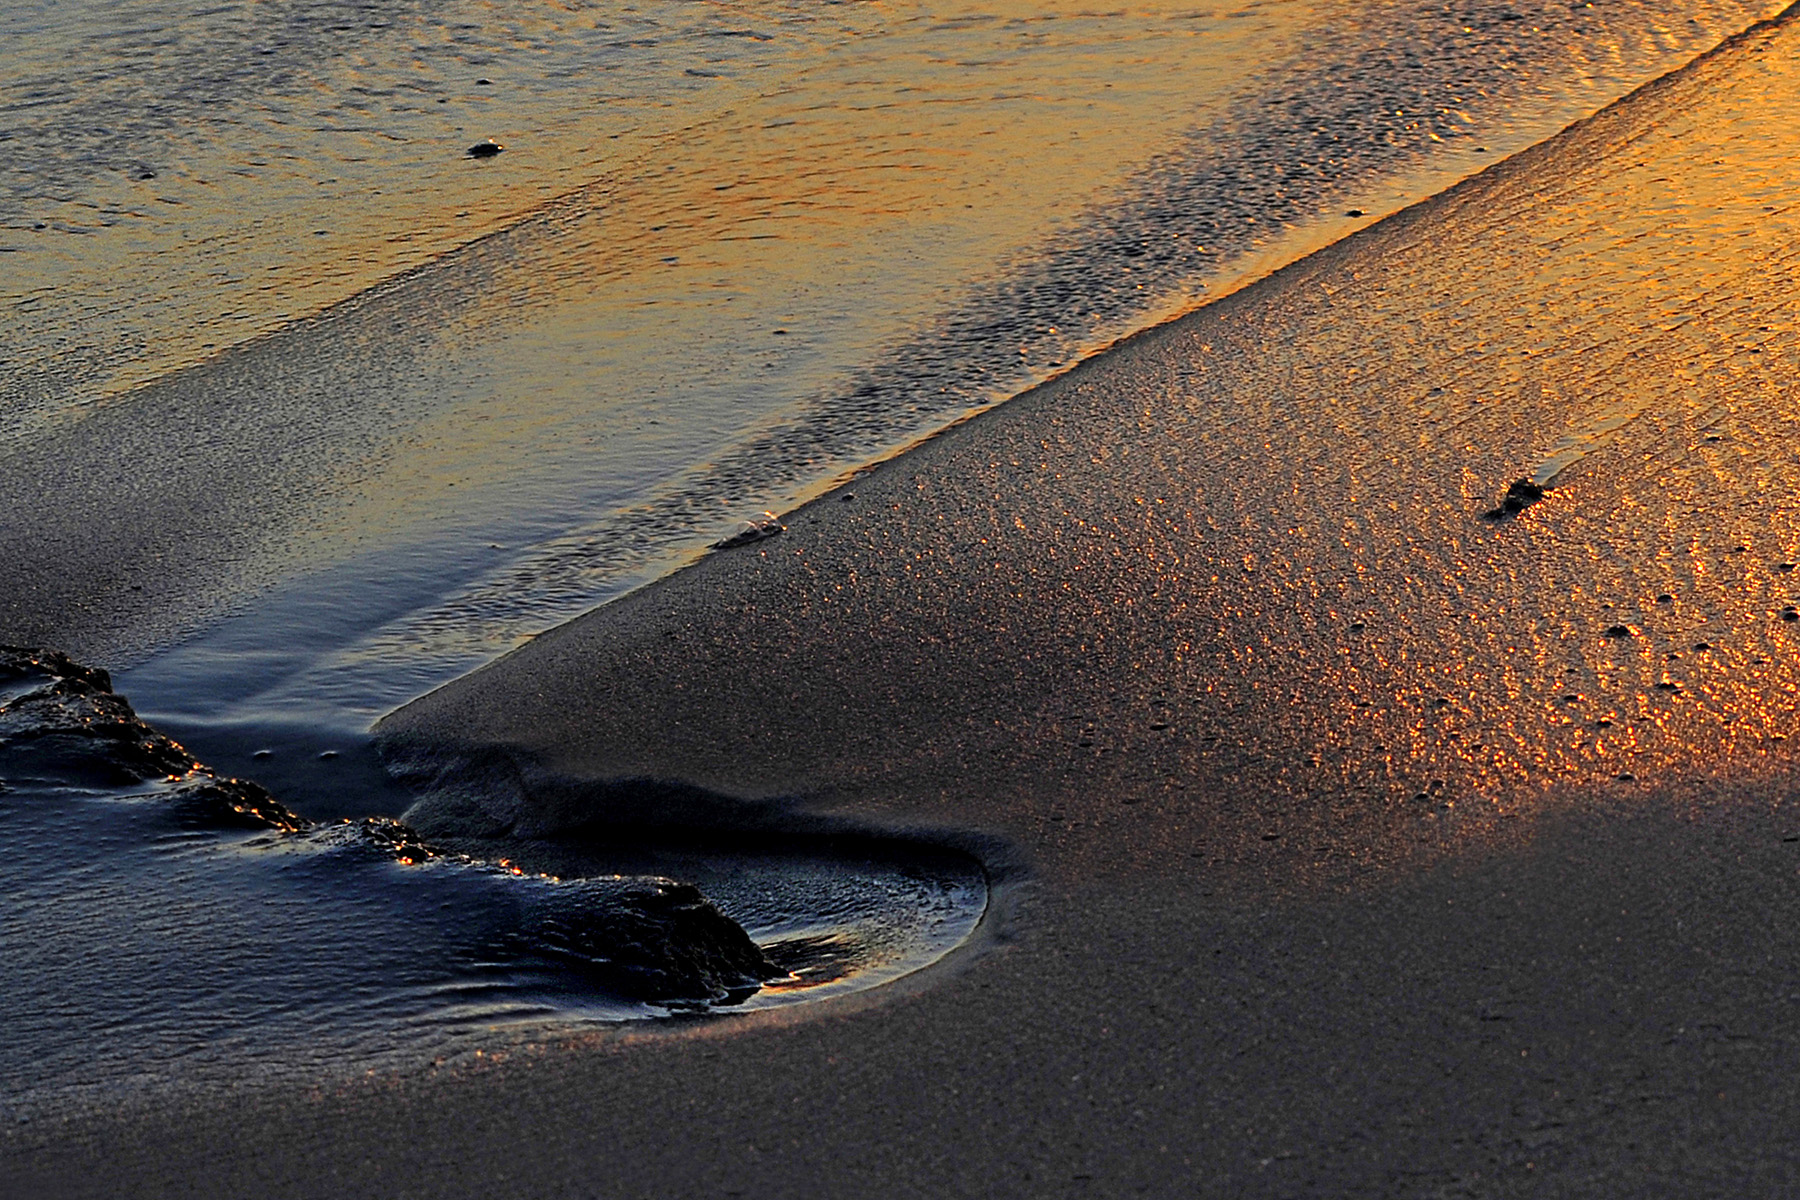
164 929
145 956
205 172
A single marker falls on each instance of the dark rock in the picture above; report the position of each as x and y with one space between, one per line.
209 802
653 939
394 839
60 717
1520 496
21 664
1619 631
485 149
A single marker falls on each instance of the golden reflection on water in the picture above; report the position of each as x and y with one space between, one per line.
727 125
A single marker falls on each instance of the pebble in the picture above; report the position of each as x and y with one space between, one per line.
1521 495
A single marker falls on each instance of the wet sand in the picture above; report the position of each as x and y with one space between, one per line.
1345 841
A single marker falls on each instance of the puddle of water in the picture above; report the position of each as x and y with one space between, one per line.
841 915
165 929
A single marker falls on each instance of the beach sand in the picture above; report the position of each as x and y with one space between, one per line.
1344 840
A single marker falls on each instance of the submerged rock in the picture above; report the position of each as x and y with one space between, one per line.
206 801
652 938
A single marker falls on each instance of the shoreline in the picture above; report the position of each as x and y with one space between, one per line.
1209 588
393 520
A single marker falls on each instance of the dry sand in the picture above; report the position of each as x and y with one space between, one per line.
1339 848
